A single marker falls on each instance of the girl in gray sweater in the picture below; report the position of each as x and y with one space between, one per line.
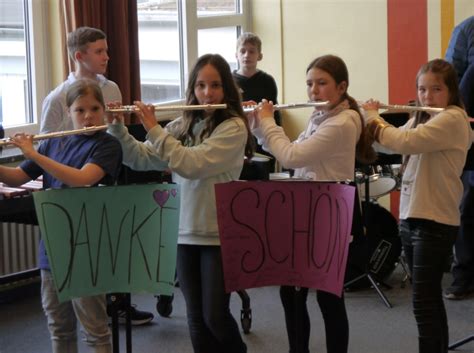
202 148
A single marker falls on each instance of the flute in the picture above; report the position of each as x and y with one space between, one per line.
85 130
164 108
160 108
251 108
411 108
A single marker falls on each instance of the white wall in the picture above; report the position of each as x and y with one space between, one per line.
296 31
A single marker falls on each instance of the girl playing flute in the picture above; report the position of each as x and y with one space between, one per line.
202 148
63 162
435 147
325 151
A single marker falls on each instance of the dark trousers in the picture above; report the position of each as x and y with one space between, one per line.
463 268
298 324
427 246
211 324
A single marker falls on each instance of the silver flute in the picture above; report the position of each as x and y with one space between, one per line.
409 108
412 108
160 108
166 108
49 135
250 108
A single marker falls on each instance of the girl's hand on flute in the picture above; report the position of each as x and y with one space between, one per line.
25 143
374 123
146 115
371 104
248 104
265 110
253 122
114 117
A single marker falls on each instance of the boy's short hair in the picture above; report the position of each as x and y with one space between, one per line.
251 38
79 39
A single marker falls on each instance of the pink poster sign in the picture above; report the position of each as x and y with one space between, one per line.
284 233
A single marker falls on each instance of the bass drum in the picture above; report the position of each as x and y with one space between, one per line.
378 252
385 244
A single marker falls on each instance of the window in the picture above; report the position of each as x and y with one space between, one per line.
216 7
159 47
225 36
22 86
173 33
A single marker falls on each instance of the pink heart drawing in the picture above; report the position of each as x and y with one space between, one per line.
174 192
161 197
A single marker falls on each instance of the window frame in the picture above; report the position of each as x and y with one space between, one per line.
39 44
189 23
38 72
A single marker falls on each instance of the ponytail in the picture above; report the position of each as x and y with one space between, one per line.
365 153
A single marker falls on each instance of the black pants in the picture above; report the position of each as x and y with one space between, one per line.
427 245
212 327
298 324
463 269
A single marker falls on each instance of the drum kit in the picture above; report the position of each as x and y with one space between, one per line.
383 179
384 175
378 253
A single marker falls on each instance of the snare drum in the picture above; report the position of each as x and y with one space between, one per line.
382 180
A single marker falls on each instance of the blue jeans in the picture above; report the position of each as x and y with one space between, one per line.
298 324
427 246
62 319
212 327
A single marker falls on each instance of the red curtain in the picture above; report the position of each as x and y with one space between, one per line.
118 19
67 19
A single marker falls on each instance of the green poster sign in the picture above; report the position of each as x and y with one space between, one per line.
110 239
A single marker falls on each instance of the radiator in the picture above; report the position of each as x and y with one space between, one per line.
18 247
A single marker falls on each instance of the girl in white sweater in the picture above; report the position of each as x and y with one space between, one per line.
325 151
202 148
434 146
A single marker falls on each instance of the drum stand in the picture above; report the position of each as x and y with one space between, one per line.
460 343
115 323
368 274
